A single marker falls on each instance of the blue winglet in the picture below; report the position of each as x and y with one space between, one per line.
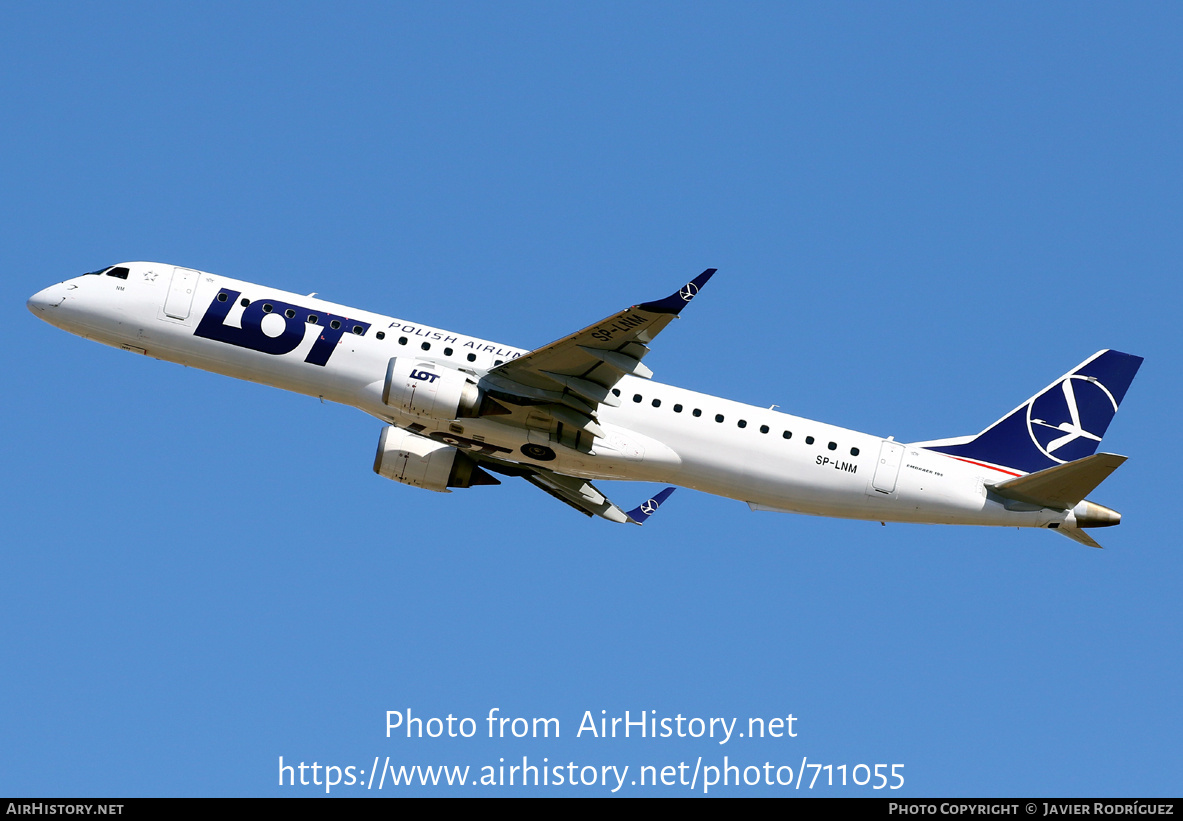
648 507
675 302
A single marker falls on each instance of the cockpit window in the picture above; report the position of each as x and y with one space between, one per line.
110 271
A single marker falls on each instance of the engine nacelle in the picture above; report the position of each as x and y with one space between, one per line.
416 460
430 389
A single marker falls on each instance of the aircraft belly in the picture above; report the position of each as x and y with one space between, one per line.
930 488
753 475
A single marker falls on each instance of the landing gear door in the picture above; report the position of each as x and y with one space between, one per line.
180 293
887 469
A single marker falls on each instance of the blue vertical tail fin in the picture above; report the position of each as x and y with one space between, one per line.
1062 423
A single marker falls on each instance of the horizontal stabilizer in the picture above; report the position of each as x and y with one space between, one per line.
1063 486
1078 535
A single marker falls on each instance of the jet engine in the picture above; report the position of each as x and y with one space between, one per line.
430 389
416 460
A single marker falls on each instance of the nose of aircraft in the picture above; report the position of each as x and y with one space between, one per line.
46 299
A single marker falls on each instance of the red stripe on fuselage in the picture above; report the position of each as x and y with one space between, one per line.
984 465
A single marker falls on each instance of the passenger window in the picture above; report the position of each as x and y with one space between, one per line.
381 334
832 446
677 408
313 319
718 417
854 451
809 440
425 346
357 329
244 302
268 307
788 434
616 391
222 297
743 423
447 351
636 397
472 357
657 403
698 411
763 429
335 324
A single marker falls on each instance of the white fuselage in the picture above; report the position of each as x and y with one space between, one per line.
659 433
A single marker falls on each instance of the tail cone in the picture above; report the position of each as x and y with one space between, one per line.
1094 515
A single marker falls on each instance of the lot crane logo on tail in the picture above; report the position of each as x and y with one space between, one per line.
1070 439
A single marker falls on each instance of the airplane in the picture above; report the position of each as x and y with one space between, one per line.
458 411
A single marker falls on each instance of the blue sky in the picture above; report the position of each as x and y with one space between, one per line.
921 215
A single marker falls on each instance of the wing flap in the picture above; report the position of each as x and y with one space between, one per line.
591 391
574 419
623 362
579 494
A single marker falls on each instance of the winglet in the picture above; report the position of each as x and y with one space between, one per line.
647 508
675 302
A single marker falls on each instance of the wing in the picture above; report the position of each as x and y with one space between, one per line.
559 387
586 498
578 493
